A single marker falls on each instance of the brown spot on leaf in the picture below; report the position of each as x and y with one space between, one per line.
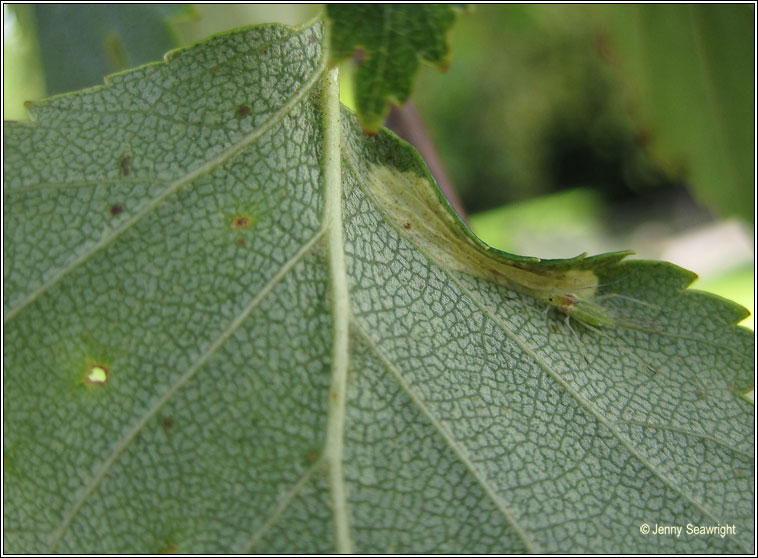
168 423
169 549
241 242
241 222
116 209
243 111
126 165
407 226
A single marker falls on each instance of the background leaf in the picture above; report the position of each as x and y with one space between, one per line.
393 40
693 109
168 228
80 44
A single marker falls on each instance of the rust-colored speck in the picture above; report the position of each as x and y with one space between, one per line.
699 394
116 209
241 242
168 423
334 396
369 133
312 456
407 226
265 52
126 165
243 111
241 222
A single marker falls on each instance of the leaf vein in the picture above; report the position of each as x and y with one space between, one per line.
284 502
669 428
149 207
137 427
450 440
586 404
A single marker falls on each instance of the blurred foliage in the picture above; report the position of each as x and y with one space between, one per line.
528 227
22 75
216 18
618 98
546 112
118 37
687 72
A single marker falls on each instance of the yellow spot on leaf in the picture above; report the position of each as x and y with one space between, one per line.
97 375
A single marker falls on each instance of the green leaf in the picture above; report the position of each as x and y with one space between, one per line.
80 44
393 39
691 75
234 323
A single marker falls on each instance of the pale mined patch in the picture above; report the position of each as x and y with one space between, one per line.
412 205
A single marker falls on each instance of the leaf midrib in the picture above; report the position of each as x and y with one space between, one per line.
340 304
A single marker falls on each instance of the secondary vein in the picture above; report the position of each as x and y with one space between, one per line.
137 427
200 171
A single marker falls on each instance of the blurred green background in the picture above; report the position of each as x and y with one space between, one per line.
564 129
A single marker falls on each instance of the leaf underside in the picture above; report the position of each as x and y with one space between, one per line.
168 228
